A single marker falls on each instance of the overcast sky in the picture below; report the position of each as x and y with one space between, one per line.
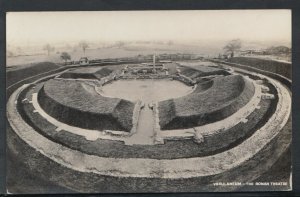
49 27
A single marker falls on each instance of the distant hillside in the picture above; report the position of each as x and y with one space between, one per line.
278 50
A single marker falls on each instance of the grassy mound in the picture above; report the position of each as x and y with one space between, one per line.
77 104
224 98
18 73
87 73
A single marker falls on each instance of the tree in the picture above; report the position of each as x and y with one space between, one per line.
233 46
119 44
9 53
68 47
170 42
19 50
65 56
48 48
84 46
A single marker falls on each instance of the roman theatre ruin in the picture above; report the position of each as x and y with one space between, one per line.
140 127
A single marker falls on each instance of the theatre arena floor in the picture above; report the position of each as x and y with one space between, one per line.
147 90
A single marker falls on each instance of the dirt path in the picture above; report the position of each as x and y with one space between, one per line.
145 129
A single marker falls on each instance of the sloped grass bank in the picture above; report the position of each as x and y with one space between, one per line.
87 73
72 103
282 68
21 72
203 86
224 98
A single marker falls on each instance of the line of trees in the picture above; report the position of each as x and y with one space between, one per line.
83 45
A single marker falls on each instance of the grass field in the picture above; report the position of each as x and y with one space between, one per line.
100 53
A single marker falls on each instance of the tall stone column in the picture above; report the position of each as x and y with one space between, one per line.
154 62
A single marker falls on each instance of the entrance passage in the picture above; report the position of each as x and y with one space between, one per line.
148 91
145 128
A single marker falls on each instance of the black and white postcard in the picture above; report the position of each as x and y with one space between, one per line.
148 101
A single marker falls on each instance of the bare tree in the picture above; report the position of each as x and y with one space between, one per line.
233 46
65 56
119 44
84 46
68 46
19 50
170 42
48 48
9 53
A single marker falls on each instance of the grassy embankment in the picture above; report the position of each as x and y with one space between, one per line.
78 104
16 76
224 98
87 73
282 68
18 73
